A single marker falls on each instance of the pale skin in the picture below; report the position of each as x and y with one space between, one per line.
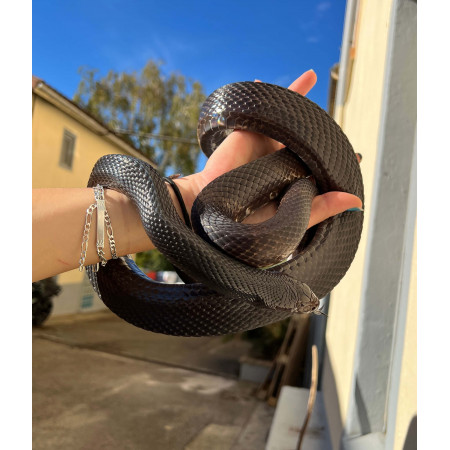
59 214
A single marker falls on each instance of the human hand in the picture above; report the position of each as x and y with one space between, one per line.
241 147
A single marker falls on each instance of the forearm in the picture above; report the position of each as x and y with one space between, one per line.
58 225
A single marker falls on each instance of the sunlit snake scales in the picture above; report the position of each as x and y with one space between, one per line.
229 295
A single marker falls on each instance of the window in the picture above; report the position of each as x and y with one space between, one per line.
67 150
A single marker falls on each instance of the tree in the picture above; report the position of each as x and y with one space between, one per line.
155 112
153 260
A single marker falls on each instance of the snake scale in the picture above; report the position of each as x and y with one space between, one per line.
230 289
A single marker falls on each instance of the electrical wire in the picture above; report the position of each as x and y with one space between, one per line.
161 137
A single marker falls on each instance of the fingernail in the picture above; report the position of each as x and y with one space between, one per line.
355 209
360 156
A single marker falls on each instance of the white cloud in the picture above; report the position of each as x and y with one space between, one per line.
312 39
323 6
154 47
283 80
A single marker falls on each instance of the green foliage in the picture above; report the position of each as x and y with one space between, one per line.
148 101
266 340
153 261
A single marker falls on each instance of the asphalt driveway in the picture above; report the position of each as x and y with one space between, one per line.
100 383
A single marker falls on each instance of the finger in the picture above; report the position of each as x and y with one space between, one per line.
330 204
304 83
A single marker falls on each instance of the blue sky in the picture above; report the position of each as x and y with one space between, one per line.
212 42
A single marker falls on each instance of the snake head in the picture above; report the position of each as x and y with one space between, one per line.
311 305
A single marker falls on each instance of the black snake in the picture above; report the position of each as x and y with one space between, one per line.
228 293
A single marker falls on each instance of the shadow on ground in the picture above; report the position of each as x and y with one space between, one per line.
100 383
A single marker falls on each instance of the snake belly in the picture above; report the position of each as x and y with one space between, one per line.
229 295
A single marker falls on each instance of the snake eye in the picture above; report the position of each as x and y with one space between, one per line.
273 195
248 211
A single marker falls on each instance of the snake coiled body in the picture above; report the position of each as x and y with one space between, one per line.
228 293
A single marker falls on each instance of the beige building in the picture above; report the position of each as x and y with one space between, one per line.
66 144
367 398
369 367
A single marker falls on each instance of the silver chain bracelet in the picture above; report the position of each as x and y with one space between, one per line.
109 232
101 208
85 240
102 220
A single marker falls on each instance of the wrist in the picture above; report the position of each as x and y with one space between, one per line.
126 221
189 187
180 202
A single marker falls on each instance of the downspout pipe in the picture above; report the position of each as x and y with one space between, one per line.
347 37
